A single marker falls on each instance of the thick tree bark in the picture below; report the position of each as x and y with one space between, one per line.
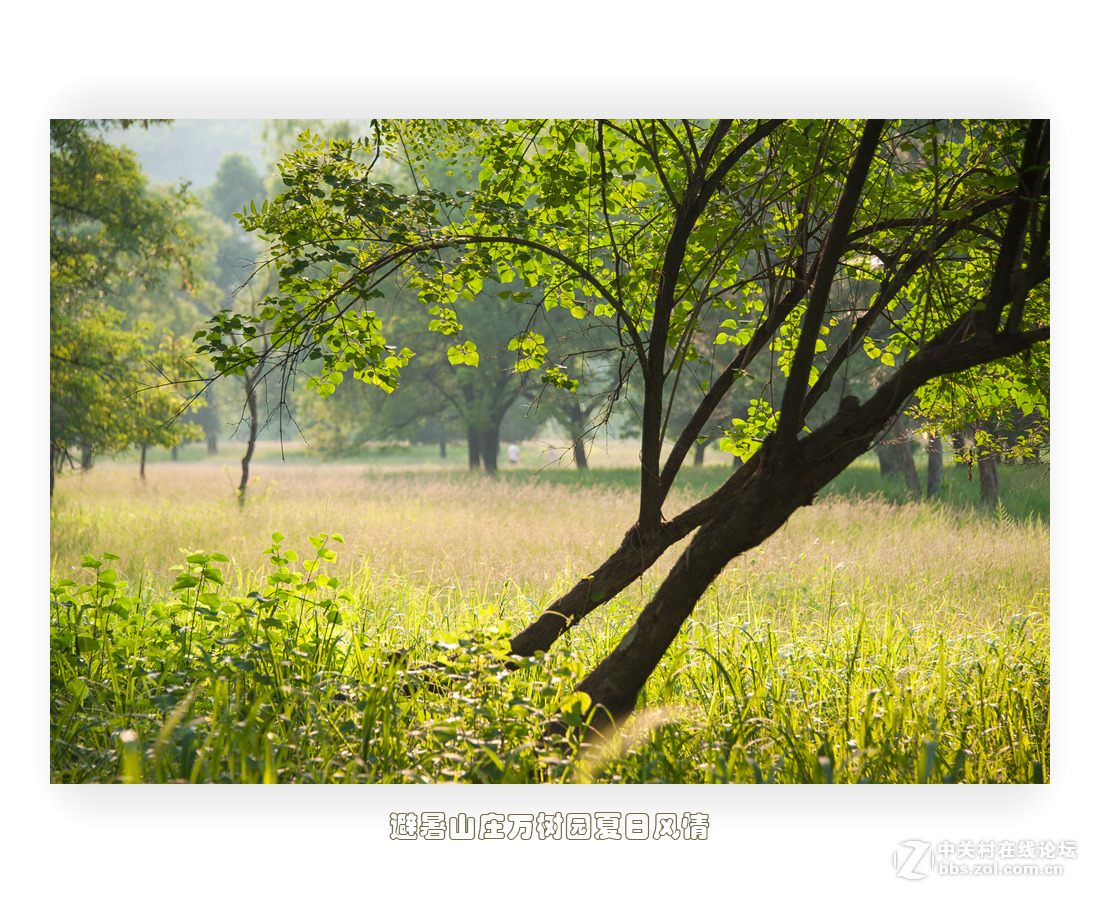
935 466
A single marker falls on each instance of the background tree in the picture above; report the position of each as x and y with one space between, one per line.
647 224
109 233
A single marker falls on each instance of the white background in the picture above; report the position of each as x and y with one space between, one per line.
429 59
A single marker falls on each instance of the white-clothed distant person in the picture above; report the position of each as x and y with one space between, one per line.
552 454
513 453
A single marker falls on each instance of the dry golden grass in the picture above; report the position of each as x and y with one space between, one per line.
462 534
859 621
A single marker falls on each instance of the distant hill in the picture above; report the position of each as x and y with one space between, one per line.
191 149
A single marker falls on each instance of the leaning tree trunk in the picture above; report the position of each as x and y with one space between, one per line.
753 504
788 469
761 508
935 466
141 464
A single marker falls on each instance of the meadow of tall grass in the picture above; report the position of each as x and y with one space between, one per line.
870 640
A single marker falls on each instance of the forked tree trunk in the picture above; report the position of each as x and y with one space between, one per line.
935 466
757 500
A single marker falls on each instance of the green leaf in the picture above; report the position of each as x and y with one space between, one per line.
184 581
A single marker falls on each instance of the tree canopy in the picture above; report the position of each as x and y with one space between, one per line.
109 232
920 246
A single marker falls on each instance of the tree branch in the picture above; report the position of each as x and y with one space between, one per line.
790 414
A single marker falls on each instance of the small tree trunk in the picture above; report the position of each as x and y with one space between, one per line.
903 455
253 429
935 466
579 455
473 446
908 466
211 443
988 478
895 454
85 457
958 442
574 421
700 451
887 459
175 452
141 465
490 448
443 448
